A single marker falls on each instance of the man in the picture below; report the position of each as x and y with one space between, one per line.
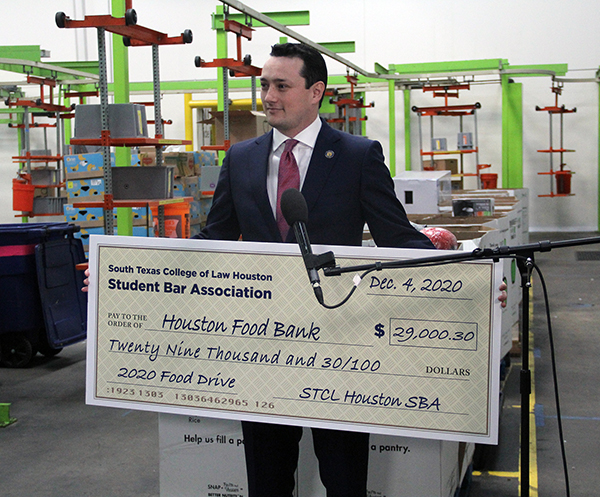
346 183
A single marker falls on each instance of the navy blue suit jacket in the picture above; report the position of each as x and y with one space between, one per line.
346 186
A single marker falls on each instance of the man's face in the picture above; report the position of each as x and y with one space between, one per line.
290 106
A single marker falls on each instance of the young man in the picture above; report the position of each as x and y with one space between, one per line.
346 184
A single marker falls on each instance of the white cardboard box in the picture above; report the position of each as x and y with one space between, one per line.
423 192
203 457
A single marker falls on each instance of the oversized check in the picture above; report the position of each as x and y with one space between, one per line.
233 330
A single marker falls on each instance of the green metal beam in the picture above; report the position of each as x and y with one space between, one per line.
340 46
512 134
407 134
445 67
392 123
379 69
23 52
32 54
212 84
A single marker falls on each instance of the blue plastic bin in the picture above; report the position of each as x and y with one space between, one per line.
41 305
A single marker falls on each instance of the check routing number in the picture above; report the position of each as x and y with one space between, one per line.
233 330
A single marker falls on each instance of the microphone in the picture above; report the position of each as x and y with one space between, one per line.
295 212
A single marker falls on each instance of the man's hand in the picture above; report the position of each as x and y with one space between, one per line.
86 282
502 298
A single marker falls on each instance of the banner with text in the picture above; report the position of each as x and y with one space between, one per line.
233 330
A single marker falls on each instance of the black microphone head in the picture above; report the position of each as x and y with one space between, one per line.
293 206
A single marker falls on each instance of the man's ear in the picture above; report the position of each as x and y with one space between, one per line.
317 90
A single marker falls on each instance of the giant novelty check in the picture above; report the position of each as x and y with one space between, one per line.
233 330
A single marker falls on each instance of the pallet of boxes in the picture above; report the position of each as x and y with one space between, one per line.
195 176
85 182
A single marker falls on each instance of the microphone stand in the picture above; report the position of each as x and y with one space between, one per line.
524 255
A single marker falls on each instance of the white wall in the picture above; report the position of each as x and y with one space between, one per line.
387 32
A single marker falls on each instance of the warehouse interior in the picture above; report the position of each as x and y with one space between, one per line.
477 105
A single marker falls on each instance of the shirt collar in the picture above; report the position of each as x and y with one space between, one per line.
308 136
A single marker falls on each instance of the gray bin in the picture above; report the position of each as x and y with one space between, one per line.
142 183
124 121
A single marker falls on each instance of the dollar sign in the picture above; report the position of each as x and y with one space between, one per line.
380 330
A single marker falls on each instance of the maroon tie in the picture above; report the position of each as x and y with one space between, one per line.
289 177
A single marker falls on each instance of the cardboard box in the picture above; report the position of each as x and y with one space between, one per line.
243 125
204 457
446 165
441 165
187 187
85 163
209 176
84 233
91 189
423 192
183 162
86 166
91 217
147 156
205 158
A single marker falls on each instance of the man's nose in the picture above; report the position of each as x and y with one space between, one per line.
268 94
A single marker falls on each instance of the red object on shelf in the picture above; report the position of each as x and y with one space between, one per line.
224 147
23 193
177 220
563 182
489 181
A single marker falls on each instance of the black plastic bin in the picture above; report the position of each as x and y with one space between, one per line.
42 307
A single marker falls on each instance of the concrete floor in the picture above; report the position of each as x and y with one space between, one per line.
59 447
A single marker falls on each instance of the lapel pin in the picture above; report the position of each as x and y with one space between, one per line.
329 154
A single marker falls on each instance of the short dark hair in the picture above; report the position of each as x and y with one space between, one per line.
314 68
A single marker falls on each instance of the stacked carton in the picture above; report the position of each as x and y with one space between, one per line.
85 182
197 175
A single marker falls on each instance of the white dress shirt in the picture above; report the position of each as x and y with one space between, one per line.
302 153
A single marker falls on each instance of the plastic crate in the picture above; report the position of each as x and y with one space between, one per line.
28 254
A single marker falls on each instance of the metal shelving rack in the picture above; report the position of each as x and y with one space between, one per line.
563 177
239 67
33 109
133 35
454 111
347 105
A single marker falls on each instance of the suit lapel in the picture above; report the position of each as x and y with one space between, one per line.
258 167
324 157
